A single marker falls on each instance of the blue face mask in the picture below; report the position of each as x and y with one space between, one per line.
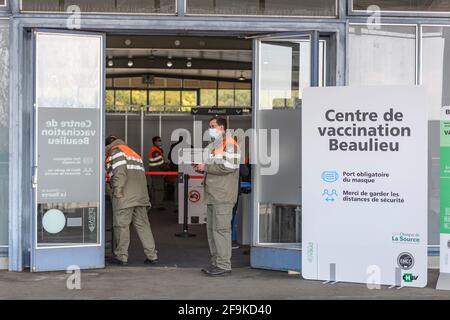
214 134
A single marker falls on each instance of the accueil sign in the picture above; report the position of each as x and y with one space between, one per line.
364 185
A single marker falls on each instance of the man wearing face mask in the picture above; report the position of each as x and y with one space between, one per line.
221 176
156 163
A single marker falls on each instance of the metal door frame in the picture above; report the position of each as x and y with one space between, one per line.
89 256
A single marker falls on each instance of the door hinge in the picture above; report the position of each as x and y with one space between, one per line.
34 178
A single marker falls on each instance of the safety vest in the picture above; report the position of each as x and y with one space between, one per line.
153 160
129 154
230 156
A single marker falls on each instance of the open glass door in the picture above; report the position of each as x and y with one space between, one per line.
284 65
68 182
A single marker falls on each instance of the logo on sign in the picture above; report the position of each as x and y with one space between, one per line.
405 260
409 277
194 196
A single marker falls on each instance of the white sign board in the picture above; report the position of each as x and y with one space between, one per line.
364 185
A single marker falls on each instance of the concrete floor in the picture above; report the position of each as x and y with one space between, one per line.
190 284
178 276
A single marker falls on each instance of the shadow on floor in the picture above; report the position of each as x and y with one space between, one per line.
174 251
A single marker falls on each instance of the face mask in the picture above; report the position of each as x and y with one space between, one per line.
213 133
158 143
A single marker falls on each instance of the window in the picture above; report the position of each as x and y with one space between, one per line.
189 98
110 6
208 97
109 100
156 98
384 56
173 98
139 97
307 8
123 100
2 3
404 5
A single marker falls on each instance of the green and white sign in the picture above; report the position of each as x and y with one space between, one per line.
445 191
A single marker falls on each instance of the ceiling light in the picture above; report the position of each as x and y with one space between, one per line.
177 42
110 63
130 63
241 77
189 63
169 64
128 42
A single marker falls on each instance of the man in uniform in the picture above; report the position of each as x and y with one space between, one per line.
130 202
221 190
156 163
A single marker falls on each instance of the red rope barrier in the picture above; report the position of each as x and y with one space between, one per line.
161 173
170 173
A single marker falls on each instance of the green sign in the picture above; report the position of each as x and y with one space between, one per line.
445 176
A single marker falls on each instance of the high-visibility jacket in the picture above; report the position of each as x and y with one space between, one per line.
126 174
221 179
155 157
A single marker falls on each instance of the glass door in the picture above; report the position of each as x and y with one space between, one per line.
68 181
284 66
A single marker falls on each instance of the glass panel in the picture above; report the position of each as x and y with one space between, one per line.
285 70
402 5
123 100
113 6
68 133
109 100
280 223
384 56
156 98
226 98
74 85
208 97
189 98
243 98
173 98
139 97
2 2
4 132
436 79
326 8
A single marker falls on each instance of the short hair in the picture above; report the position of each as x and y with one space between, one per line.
110 139
156 138
220 121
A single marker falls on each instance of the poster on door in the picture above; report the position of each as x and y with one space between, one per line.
364 185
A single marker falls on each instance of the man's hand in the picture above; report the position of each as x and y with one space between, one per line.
200 167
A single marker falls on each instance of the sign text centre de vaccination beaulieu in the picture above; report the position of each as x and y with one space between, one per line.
364 185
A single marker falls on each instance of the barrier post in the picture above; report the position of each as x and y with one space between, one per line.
185 233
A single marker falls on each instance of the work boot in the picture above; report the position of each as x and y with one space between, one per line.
148 261
208 268
218 272
117 262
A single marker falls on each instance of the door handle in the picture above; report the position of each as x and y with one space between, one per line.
34 178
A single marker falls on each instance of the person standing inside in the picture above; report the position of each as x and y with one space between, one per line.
221 177
130 202
156 163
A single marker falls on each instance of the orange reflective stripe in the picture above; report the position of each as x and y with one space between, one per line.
228 140
153 150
